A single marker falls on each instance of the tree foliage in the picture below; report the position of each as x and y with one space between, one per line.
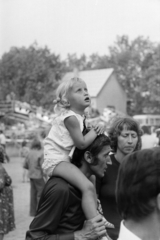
137 65
32 74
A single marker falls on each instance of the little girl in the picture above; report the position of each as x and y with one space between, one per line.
66 132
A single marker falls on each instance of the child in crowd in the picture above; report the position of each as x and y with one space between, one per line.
65 134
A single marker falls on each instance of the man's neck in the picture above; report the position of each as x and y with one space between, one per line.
85 170
148 229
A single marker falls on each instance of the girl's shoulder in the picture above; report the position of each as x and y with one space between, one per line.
60 118
68 113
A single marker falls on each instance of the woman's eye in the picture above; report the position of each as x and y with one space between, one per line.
134 136
124 136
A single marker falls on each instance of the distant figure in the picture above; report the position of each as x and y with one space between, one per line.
3 144
158 136
148 140
24 154
33 163
138 195
7 221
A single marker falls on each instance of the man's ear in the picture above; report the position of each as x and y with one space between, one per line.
88 157
158 201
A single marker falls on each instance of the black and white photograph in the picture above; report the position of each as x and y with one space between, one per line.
79 119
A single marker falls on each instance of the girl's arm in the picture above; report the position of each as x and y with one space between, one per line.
79 140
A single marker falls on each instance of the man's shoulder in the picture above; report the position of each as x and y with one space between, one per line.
58 183
60 186
56 188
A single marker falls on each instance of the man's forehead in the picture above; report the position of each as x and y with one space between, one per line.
106 149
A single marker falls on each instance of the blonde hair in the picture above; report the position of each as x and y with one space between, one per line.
61 100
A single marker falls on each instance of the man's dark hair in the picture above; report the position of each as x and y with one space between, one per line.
117 126
138 183
94 148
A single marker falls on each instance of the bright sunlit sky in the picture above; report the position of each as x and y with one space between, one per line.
76 26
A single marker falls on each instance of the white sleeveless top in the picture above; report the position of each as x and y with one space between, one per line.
58 143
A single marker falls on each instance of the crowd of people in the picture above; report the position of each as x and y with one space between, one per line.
89 183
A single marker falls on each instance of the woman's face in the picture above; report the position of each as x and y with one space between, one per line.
127 141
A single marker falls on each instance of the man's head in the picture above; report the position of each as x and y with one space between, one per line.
138 185
94 157
122 128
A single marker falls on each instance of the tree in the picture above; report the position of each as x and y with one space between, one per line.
130 61
31 73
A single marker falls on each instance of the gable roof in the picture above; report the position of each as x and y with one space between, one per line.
94 79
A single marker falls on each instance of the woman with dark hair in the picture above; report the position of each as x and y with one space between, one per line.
33 163
125 137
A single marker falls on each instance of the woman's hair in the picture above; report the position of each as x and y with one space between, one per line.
94 148
36 144
117 126
24 143
61 94
138 183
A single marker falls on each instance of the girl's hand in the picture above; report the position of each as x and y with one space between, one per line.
99 128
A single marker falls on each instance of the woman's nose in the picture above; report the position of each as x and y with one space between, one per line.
130 139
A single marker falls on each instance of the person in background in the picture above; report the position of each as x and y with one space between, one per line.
138 195
125 136
3 144
59 214
24 153
158 136
7 220
149 140
33 162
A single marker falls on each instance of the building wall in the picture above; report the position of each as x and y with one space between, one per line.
112 94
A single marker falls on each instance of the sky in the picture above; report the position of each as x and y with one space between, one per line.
76 26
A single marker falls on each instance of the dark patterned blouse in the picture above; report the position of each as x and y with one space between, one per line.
7 221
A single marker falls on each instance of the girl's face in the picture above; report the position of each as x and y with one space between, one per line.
78 96
127 141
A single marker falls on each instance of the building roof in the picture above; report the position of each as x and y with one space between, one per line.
94 79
